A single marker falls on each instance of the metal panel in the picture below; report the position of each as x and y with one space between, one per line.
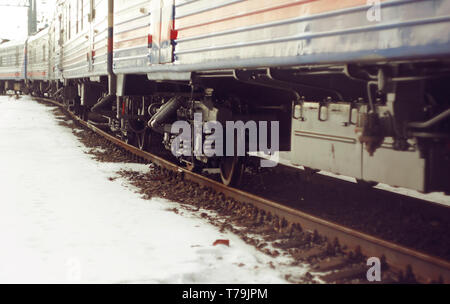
161 29
321 31
329 141
187 7
155 31
409 167
131 35
326 141
12 59
167 31
72 52
98 64
38 56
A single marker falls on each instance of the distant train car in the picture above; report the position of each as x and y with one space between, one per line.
38 58
12 66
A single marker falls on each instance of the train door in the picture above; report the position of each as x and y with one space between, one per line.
162 31
91 19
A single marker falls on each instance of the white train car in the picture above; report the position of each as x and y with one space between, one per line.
358 89
12 66
336 65
38 58
83 43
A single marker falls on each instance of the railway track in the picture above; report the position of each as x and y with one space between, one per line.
426 268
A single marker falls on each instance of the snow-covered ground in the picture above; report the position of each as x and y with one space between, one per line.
62 220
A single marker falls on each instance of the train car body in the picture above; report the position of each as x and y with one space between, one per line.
132 21
357 88
323 51
38 59
12 66
227 34
83 41
255 33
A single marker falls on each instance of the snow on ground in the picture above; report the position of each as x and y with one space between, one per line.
62 220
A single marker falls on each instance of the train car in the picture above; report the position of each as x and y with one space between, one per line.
85 38
132 21
357 88
38 69
80 34
349 87
12 66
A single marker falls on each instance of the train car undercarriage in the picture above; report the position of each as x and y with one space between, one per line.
382 122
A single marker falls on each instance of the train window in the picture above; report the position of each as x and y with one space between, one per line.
43 53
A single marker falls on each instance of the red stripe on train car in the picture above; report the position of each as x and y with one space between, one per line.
150 41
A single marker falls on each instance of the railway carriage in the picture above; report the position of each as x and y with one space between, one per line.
350 83
38 67
84 41
357 88
12 66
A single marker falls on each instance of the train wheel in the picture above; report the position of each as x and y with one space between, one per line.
232 170
149 141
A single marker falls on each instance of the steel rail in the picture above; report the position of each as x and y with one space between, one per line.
426 268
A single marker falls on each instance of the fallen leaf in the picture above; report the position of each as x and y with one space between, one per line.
222 242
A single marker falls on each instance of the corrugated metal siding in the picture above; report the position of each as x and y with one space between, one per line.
214 34
75 52
85 53
100 39
311 31
38 57
131 31
74 63
12 58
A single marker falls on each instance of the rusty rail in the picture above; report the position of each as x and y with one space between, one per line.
426 268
